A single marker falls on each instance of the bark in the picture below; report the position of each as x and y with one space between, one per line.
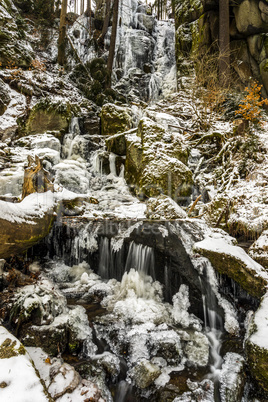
224 43
36 178
106 21
62 35
113 40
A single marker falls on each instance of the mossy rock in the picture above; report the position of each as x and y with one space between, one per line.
134 164
47 116
236 264
117 144
166 176
115 119
17 237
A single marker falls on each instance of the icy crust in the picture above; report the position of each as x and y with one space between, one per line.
138 322
20 380
46 307
232 377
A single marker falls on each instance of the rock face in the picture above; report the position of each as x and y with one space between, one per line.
197 29
4 97
14 49
155 160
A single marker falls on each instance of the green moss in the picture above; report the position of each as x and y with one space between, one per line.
257 359
236 270
8 349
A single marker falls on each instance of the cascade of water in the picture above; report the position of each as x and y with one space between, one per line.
111 264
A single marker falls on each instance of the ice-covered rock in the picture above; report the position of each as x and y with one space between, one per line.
259 249
163 207
144 373
232 378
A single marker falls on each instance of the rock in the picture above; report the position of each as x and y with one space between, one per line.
19 377
248 18
38 141
115 119
154 162
4 97
144 22
49 116
163 207
232 385
203 393
257 345
36 178
65 380
166 175
117 144
264 73
144 373
234 262
167 345
15 50
259 249
110 363
26 223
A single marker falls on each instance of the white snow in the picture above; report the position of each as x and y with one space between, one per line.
18 372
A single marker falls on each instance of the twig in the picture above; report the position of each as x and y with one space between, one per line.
194 204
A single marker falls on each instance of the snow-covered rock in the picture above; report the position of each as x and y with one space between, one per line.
19 378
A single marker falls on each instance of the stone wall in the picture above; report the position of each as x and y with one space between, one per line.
197 23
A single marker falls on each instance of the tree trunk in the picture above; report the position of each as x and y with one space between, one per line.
224 43
113 41
62 35
82 6
106 21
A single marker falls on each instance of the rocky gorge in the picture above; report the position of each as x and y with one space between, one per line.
136 268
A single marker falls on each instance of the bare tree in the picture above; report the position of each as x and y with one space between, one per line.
224 43
112 41
62 34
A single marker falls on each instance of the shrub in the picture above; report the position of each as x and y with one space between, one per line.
250 107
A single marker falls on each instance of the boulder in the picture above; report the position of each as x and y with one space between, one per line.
166 175
257 344
19 377
144 373
43 119
163 207
248 18
234 262
65 380
26 223
115 119
259 249
144 22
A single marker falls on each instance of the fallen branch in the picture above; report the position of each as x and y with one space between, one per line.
194 204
